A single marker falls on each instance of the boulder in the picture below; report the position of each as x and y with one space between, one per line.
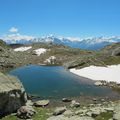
66 100
75 104
12 94
25 112
41 103
59 111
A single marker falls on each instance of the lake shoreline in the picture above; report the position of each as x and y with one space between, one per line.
79 79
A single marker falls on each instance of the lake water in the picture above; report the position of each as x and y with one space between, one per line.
56 82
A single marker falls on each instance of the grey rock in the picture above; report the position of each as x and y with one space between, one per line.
41 103
75 104
66 100
25 112
59 111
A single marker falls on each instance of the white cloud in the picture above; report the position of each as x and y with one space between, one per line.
13 29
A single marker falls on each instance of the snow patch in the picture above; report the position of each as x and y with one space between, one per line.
22 49
109 73
40 51
50 60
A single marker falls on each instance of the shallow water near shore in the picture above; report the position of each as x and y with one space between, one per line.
54 82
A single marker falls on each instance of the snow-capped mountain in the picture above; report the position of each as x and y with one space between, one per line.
97 43
89 43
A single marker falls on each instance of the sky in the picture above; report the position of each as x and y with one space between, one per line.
78 18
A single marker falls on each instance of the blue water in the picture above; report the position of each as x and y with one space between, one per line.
56 82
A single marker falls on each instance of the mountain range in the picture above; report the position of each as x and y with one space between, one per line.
95 43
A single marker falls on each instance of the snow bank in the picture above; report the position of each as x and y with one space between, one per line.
22 49
51 59
109 73
40 51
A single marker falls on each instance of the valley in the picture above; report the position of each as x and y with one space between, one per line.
48 56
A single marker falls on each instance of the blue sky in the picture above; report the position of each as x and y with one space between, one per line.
80 18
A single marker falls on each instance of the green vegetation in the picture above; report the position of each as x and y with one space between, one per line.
111 60
104 116
42 114
10 117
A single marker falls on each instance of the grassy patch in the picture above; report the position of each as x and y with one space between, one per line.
10 117
42 114
112 60
104 116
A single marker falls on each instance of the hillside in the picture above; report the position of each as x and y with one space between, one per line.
57 55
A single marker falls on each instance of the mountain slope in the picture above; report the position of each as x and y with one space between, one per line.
65 56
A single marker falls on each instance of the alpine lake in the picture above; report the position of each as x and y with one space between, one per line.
55 82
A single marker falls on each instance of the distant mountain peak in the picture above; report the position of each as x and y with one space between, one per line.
93 43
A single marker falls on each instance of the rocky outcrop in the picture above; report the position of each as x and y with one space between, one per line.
12 94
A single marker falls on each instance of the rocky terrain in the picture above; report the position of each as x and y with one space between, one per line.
96 109
104 111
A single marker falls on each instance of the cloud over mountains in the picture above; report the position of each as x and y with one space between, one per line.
13 29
